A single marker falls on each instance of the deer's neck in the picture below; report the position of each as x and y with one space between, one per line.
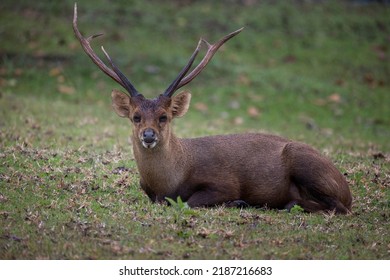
162 168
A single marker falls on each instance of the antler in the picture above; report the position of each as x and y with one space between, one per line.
181 79
113 73
174 85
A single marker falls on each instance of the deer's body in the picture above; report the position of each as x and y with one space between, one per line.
260 169
255 169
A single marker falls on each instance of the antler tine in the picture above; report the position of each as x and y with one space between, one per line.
125 82
85 43
211 50
173 86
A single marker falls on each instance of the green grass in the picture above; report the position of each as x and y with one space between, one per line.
313 72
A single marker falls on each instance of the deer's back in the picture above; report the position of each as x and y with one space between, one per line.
250 165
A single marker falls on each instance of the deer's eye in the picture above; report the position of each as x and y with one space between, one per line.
163 119
137 119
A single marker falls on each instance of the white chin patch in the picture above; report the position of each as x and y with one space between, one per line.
149 145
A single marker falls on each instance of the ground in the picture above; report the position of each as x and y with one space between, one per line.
316 72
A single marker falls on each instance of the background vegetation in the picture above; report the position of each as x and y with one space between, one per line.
313 71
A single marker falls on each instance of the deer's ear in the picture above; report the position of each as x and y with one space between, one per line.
180 104
120 103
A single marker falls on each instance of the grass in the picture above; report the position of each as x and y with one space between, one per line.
313 72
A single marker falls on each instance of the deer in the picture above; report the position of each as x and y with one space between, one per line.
236 170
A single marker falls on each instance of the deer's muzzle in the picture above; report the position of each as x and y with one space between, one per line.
149 138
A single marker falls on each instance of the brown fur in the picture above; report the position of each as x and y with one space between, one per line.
259 169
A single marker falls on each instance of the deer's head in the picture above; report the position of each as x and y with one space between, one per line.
151 117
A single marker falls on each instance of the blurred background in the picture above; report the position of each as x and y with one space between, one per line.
310 70
313 71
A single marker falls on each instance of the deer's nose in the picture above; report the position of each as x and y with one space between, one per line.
149 136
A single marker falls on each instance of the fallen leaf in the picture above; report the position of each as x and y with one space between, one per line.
55 71
253 112
66 89
201 107
380 51
340 82
320 102
335 97
18 72
73 45
244 80
61 79
255 97
3 82
328 132
238 121
289 59
369 78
